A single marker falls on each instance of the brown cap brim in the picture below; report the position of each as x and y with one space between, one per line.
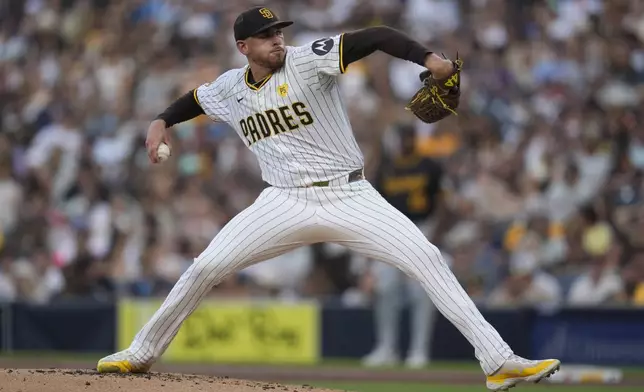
278 24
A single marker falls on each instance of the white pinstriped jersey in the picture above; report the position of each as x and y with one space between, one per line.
294 121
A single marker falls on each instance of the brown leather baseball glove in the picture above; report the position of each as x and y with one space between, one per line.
437 99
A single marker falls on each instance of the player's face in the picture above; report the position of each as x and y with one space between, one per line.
266 48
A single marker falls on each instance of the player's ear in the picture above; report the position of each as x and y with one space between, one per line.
242 46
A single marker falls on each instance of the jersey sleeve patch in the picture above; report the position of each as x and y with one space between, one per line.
322 56
322 46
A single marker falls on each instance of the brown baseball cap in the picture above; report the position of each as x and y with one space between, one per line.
256 20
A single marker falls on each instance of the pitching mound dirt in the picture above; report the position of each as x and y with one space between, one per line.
68 380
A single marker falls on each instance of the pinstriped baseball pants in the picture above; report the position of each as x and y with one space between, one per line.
354 215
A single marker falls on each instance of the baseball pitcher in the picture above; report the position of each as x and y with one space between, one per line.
286 107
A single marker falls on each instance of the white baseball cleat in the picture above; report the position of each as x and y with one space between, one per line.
380 357
121 362
416 361
517 369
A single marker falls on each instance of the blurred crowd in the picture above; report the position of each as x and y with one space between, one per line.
543 195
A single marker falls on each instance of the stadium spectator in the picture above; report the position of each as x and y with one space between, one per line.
527 285
549 123
601 284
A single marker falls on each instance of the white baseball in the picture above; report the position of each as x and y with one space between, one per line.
163 152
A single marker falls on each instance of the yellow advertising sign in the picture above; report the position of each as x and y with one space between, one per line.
234 331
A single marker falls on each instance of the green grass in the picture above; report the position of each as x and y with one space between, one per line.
413 387
468 366
333 363
437 365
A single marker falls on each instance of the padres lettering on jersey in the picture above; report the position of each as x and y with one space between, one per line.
274 121
294 120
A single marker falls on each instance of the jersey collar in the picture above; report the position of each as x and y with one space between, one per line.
257 85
